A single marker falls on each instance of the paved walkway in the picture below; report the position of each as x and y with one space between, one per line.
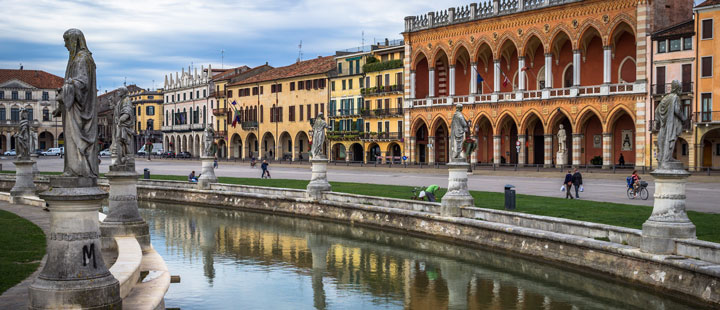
17 296
703 192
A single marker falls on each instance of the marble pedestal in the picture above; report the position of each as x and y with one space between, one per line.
24 185
123 217
34 158
75 275
560 159
457 195
207 175
318 182
668 219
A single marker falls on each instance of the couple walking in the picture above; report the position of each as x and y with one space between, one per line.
573 179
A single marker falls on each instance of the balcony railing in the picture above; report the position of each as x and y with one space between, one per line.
666 88
382 112
249 125
344 112
381 136
195 127
382 90
220 111
344 135
707 117
220 134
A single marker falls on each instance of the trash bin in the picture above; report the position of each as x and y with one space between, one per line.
146 174
509 197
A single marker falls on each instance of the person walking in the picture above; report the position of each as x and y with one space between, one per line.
568 185
577 182
265 170
621 161
215 163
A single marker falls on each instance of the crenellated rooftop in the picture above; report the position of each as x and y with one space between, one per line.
476 11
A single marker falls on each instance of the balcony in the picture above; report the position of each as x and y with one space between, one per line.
249 125
352 135
220 111
544 94
382 112
196 127
344 113
220 134
216 94
381 136
707 117
382 90
666 88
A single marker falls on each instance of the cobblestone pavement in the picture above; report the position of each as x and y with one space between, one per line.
17 296
703 195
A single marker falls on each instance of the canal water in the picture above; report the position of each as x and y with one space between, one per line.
243 260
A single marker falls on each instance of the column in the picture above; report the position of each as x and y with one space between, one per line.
412 84
521 73
548 70
522 157
8 136
412 157
431 150
548 150
496 76
577 147
576 68
607 150
496 149
431 82
607 61
473 78
452 80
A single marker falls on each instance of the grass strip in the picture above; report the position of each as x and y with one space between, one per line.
22 246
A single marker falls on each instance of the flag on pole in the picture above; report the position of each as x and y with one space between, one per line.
480 78
234 103
505 79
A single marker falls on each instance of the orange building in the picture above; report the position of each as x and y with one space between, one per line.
522 69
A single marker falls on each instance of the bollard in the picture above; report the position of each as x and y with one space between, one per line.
509 197
146 174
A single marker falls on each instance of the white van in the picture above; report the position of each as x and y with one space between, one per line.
54 151
156 150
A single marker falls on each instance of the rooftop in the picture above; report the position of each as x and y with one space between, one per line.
36 78
678 30
708 3
307 67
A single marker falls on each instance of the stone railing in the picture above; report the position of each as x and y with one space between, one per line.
476 11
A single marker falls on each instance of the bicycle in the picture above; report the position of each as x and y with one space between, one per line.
416 192
642 190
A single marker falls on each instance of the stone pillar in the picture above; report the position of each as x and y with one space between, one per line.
75 274
123 218
431 82
607 64
522 156
412 85
34 158
413 143
451 80
457 278
576 67
207 175
521 72
431 150
24 186
577 147
457 195
496 149
607 150
548 151
473 78
668 220
319 248
548 71
318 181
496 75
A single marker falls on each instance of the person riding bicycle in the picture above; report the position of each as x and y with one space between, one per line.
429 192
635 182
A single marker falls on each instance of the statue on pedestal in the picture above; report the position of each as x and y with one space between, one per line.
24 137
209 139
76 105
318 136
124 133
562 140
669 119
458 128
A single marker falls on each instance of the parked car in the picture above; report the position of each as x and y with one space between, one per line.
184 155
54 151
38 152
141 153
105 152
168 154
10 153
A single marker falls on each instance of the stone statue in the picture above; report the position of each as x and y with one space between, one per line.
318 136
562 140
458 128
669 119
124 133
209 138
77 106
24 138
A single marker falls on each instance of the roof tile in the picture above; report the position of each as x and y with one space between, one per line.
308 67
37 78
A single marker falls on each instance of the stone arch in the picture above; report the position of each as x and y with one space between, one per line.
338 151
302 145
419 121
589 25
532 33
617 23
614 114
235 149
621 66
482 48
557 33
437 53
394 151
417 56
621 120
438 120
285 142
501 119
554 117
479 117
454 53
527 117
585 114
483 128
252 145
268 146
502 40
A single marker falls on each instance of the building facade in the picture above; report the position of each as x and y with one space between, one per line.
705 142
148 116
524 68
36 91
275 108
105 108
186 110
346 104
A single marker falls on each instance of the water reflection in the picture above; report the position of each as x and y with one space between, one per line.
241 260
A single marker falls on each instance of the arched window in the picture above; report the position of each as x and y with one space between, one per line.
15 114
139 111
150 110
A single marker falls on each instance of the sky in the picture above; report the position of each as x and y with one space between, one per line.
139 42
142 41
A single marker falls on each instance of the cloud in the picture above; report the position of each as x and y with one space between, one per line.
147 39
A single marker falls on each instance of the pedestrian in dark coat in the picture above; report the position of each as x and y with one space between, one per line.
568 184
577 182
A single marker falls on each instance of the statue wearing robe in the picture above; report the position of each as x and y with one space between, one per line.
458 128
124 134
669 119
318 136
24 137
562 140
209 137
77 106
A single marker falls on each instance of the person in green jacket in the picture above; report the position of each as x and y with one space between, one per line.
430 192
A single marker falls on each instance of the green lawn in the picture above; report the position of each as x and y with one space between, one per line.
22 246
583 210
